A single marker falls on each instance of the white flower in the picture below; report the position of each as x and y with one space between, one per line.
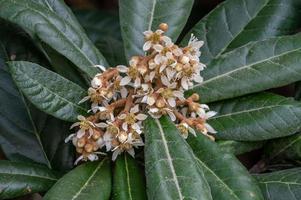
96 81
195 45
132 74
132 119
152 38
157 113
84 126
133 142
170 96
184 128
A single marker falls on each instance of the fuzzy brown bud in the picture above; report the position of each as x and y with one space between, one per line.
163 27
89 148
81 142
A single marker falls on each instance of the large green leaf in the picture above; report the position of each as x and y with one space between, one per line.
48 91
223 171
88 181
170 166
254 67
60 63
281 185
284 148
21 125
137 16
236 22
57 32
128 183
65 68
62 10
238 147
99 24
256 117
18 179
103 29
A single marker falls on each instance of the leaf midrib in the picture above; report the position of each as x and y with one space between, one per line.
243 67
286 147
88 180
218 178
250 110
27 175
152 15
280 182
128 177
170 163
35 130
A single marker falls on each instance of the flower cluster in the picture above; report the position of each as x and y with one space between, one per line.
122 97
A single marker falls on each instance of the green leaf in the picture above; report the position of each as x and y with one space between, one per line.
284 148
48 91
281 185
88 181
99 24
53 134
234 23
238 147
223 171
254 67
62 10
57 32
111 49
18 179
256 117
129 183
170 166
21 125
65 68
103 29
137 16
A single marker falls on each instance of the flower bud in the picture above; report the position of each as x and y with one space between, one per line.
95 146
81 142
195 97
160 103
163 27
184 59
96 135
115 143
122 137
179 67
89 148
79 150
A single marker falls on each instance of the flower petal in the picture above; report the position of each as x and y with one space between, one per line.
141 117
80 133
102 125
100 67
210 114
70 137
171 102
122 68
147 45
74 125
210 129
125 80
165 80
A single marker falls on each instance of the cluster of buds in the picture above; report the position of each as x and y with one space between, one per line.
151 85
